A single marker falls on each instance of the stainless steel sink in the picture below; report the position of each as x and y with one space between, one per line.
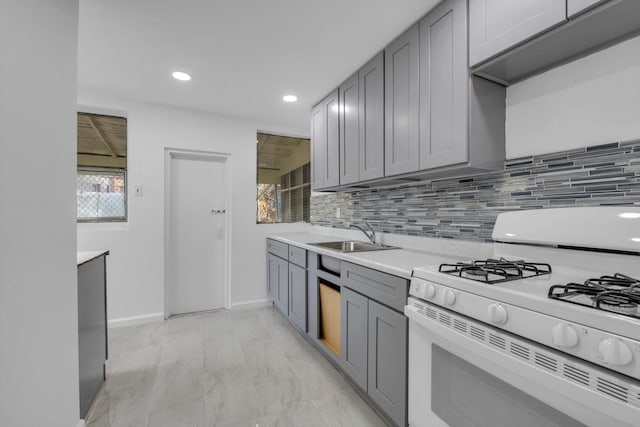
353 246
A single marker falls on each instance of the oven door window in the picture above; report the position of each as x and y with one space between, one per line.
464 395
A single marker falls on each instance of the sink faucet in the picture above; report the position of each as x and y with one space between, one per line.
371 235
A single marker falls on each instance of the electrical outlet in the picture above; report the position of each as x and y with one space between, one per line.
337 212
138 190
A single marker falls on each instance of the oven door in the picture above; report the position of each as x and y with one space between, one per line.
464 373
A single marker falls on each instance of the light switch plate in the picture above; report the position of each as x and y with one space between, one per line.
138 190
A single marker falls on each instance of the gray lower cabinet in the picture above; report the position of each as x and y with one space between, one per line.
496 25
402 88
298 296
272 276
373 329
374 336
387 382
354 312
287 281
92 329
313 317
279 282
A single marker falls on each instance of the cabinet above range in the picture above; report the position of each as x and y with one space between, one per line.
510 41
412 112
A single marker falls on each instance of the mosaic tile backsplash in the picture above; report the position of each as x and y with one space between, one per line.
466 208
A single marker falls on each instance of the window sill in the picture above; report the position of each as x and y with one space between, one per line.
103 226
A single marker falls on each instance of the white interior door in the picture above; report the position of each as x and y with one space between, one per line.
197 233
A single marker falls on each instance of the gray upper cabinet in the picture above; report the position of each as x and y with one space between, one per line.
524 44
298 296
576 7
325 135
443 86
371 113
318 142
387 382
401 102
362 124
354 312
497 25
349 131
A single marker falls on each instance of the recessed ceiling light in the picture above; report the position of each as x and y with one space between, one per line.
635 239
289 98
630 215
180 75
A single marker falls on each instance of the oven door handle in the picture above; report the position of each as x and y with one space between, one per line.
495 352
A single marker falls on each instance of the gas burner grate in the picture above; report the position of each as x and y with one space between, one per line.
492 271
617 294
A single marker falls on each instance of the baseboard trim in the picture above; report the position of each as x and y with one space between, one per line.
248 305
135 320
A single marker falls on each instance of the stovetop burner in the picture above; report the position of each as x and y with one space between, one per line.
492 271
618 294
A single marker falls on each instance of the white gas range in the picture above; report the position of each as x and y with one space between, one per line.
546 333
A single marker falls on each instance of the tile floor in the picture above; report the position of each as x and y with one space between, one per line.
244 368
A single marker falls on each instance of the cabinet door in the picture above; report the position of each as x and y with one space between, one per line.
388 361
497 25
298 296
443 86
354 313
401 87
282 285
576 7
371 112
312 296
92 330
272 276
318 144
349 131
331 106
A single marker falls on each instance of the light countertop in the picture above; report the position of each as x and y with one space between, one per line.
86 256
399 262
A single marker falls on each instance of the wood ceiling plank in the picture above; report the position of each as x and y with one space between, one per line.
101 137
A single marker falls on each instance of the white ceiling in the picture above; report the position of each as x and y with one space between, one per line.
243 54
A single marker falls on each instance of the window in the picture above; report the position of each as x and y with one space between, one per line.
102 168
284 184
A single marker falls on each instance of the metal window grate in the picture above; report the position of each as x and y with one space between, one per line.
101 195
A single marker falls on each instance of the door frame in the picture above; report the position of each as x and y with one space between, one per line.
197 155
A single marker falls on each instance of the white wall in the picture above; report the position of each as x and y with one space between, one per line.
136 264
594 100
38 276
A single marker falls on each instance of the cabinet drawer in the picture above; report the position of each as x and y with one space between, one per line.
278 248
298 256
385 288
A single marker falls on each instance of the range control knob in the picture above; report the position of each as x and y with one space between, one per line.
497 314
564 335
429 290
448 297
615 352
